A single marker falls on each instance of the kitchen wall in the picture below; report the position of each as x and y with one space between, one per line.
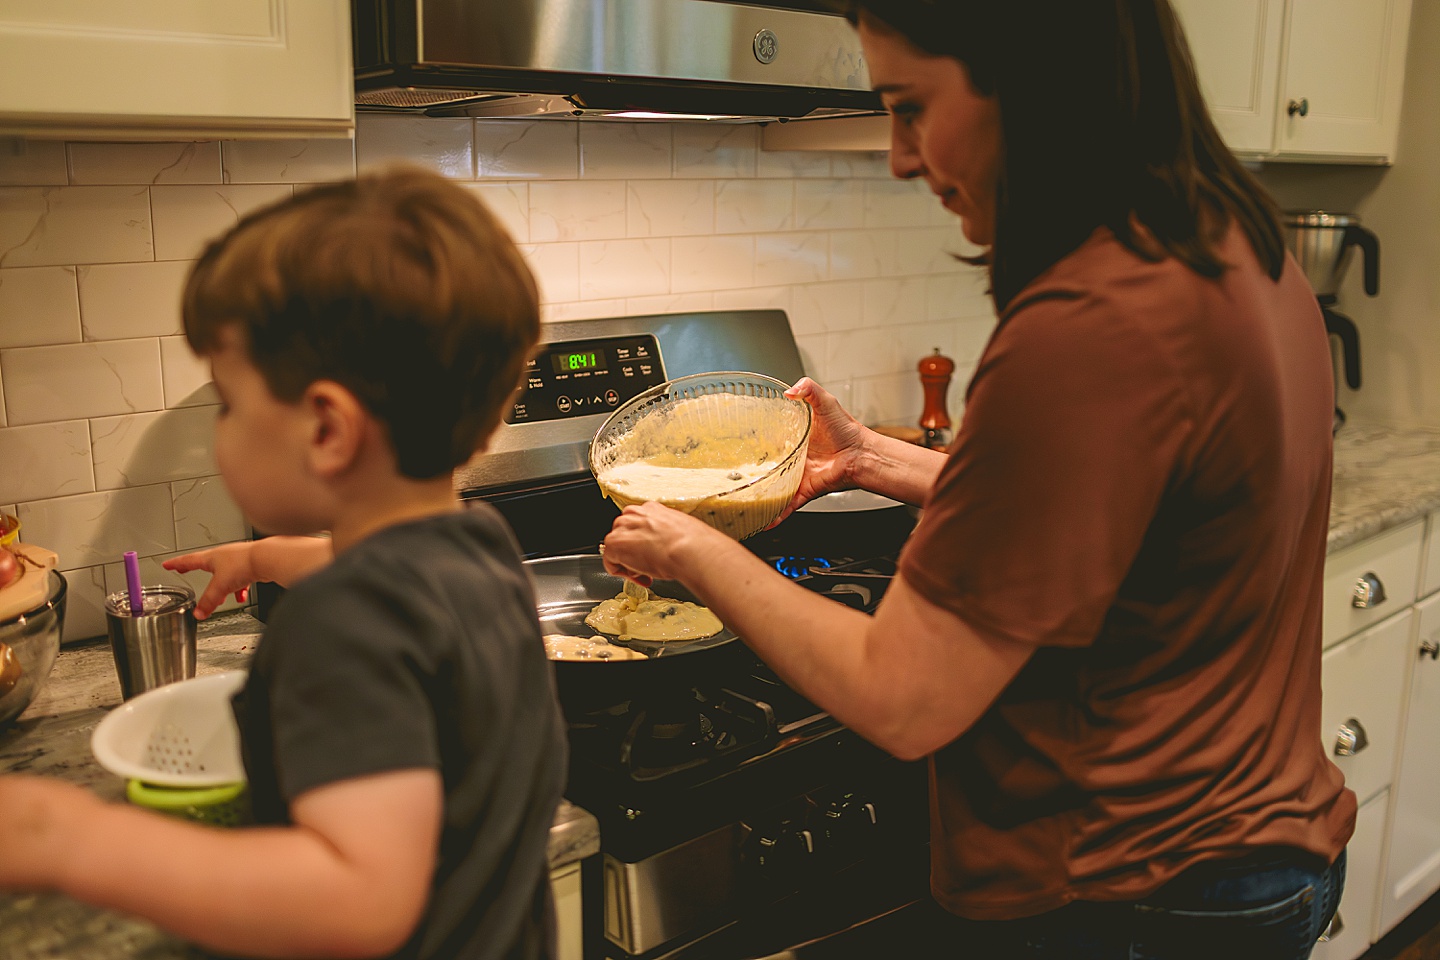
1399 328
105 416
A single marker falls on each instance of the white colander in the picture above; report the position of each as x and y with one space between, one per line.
180 735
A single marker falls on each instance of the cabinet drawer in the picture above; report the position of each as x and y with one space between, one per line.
1432 556
1391 560
1363 684
565 890
1353 932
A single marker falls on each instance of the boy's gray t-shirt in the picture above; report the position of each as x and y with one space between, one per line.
420 647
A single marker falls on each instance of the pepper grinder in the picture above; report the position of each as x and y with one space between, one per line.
935 372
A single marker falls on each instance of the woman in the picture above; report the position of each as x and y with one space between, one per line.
1105 631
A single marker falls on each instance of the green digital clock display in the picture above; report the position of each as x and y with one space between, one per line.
582 361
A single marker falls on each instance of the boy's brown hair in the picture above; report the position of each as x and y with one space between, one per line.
400 286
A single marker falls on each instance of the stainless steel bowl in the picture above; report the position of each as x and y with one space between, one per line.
34 639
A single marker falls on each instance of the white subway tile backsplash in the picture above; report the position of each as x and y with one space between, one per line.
861 166
619 268
711 263
52 226
670 303
38 306
820 307
829 204
445 146
80 380
32 163
148 448
556 267
95 528
670 208
786 258
45 460
752 206
120 301
85 594
716 150
890 303
111 163
185 377
789 164
187 218
613 218
527 150
583 310
577 210
205 514
626 151
861 254
510 202
287 161
898 203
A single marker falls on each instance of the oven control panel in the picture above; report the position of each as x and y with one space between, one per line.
576 378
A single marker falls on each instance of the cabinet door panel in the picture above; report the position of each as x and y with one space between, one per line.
1236 48
1413 872
1363 679
1352 935
175 67
1345 59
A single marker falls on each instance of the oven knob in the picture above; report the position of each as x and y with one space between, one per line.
784 851
849 818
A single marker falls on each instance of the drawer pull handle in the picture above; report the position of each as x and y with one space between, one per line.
1430 648
1299 107
1369 592
1352 739
1333 929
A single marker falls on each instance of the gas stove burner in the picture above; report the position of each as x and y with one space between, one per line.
798 567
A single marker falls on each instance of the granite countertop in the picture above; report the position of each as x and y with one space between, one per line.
1385 476
52 737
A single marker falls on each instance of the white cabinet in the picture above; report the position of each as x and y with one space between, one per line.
166 69
565 890
1413 871
1302 79
1350 934
1371 580
1362 680
1236 48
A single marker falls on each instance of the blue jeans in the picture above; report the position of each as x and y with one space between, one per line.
1270 906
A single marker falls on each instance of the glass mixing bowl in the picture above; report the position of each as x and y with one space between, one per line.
727 448
33 638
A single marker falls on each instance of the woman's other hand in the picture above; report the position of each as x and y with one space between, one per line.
650 542
837 441
231 568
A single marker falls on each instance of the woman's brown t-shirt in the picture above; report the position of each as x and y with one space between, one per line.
1140 490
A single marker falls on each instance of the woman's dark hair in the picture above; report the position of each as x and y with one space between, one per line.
1103 125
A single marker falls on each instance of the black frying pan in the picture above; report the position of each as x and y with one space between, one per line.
566 590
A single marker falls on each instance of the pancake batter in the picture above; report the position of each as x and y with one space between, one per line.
653 618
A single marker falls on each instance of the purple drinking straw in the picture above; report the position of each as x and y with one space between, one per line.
132 582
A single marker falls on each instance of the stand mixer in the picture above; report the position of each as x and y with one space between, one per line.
1321 242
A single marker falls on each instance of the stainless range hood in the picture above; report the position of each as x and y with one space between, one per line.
609 59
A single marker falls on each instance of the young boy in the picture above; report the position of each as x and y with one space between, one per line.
403 745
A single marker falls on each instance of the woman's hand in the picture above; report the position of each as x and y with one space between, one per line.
649 542
837 441
231 567
33 829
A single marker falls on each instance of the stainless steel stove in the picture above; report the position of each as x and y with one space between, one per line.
737 819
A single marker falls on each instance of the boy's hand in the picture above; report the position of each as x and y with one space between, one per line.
34 812
231 568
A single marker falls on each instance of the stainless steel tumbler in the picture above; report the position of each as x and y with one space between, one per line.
155 646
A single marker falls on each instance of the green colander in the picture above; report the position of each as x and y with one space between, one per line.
227 805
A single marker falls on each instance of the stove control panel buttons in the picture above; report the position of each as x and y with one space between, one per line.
577 378
849 819
783 851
